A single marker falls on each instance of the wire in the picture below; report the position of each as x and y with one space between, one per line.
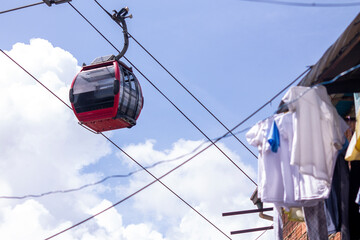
156 179
133 194
35 79
68 190
110 176
169 99
300 4
148 171
18 8
212 143
263 233
146 186
284 105
167 172
186 89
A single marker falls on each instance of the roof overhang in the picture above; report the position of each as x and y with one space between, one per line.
341 56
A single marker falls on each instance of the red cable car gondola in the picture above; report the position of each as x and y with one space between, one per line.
106 95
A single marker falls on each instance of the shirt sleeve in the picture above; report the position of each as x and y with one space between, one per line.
253 135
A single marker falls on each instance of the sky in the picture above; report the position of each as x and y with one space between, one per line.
232 55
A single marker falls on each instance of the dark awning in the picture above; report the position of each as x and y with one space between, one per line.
341 56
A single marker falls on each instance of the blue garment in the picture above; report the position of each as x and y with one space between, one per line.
274 137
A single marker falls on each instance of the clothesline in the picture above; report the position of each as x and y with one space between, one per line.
284 105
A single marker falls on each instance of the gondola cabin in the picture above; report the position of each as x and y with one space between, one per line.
106 95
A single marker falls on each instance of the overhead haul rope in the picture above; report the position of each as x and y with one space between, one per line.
148 185
186 89
188 159
48 2
251 115
18 8
156 179
208 146
177 108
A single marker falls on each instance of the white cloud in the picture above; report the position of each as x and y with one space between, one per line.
42 146
209 182
43 149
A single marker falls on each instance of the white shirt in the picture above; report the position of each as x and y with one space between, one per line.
280 182
298 188
318 131
270 183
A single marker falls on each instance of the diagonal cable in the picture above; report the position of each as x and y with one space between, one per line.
133 194
35 79
251 115
18 8
183 86
177 108
156 179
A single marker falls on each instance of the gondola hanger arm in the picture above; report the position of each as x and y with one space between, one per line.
119 18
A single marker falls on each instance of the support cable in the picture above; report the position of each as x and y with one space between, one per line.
48 2
156 179
263 233
211 141
271 99
178 165
18 8
186 89
35 79
173 168
177 108
138 191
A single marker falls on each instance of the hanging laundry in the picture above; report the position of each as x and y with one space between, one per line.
295 214
357 126
337 205
270 182
315 219
297 155
280 182
318 131
354 215
352 152
278 224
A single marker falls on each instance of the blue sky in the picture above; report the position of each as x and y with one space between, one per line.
232 55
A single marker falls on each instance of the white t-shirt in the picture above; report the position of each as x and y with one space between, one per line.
298 188
270 183
280 182
318 131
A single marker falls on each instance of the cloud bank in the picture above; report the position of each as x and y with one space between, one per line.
43 149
